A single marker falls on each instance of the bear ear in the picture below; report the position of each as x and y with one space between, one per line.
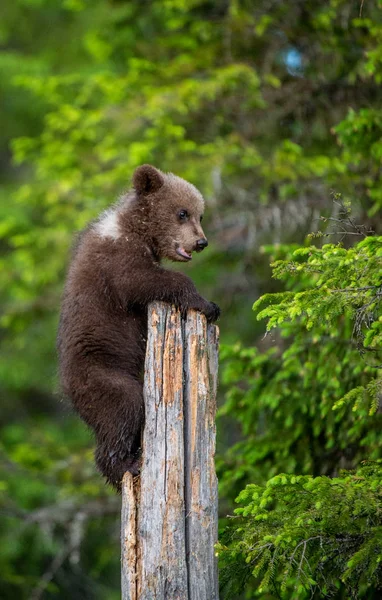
147 180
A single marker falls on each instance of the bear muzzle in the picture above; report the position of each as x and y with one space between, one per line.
201 244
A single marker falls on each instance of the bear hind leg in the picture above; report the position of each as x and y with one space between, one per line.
112 404
113 466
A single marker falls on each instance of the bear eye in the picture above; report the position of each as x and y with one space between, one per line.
183 215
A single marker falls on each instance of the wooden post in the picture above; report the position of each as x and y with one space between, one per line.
169 515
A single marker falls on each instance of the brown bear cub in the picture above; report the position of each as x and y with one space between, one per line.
115 273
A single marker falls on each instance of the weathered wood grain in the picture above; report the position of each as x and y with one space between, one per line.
162 570
200 367
169 522
128 540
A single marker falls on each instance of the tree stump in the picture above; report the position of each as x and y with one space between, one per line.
169 514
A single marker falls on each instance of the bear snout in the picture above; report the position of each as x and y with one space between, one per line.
201 244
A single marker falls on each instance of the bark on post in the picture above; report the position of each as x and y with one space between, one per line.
169 518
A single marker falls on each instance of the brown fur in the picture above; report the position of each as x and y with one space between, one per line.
115 273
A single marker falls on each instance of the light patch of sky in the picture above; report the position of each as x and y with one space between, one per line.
293 62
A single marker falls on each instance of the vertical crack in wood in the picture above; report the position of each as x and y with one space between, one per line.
129 540
165 455
186 434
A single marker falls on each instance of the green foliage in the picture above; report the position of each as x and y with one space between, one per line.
250 101
300 534
310 407
283 401
322 385
194 88
55 509
340 282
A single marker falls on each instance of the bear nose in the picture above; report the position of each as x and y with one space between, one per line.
202 243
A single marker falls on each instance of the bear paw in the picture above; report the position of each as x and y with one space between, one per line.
212 312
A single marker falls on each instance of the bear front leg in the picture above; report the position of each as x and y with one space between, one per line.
158 284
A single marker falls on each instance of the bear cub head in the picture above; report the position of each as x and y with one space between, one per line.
174 209
164 210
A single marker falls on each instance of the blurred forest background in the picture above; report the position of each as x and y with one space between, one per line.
274 110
